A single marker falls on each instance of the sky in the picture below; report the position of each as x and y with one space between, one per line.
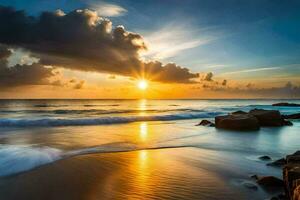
182 49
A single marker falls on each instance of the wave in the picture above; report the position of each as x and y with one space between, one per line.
15 159
12 122
92 105
99 111
49 105
18 158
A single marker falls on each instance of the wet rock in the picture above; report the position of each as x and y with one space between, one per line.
278 163
264 158
239 112
241 122
267 117
254 177
293 158
274 198
292 116
287 123
270 181
281 197
286 104
296 195
206 123
291 176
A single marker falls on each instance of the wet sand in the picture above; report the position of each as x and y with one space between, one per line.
186 173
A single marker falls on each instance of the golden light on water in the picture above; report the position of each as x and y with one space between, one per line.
142 107
143 131
143 156
142 84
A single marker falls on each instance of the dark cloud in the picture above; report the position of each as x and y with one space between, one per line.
20 75
208 76
249 85
82 40
79 84
4 54
289 90
224 83
112 76
31 74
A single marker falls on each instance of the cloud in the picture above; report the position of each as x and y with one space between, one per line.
112 76
252 70
289 90
107 9
171 40
208 76
82 40
79 84
20 75
224 83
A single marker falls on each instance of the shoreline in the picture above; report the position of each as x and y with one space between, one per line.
189 173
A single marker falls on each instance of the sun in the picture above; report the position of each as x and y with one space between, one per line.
142 84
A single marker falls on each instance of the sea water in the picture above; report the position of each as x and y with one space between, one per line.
34 133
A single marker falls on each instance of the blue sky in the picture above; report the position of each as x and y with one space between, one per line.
236 39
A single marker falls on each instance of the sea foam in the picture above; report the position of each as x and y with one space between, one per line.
18 158
13 122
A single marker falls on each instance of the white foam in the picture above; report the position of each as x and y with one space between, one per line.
19 158
12 122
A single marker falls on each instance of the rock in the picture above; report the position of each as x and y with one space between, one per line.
292 116
267 117
286 104
291 176
296 193
277 163
293 158
241 122
206 123
274 198
239 112
287 123
281 196
270 181
264 158
254 176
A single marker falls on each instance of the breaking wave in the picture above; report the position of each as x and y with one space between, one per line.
18 158
13 122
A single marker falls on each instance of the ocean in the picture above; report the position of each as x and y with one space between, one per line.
135 149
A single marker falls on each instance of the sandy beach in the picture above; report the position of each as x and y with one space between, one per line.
119 155
184 173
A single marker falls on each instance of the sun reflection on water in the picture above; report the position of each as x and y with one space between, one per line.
142 107
143 157
143 131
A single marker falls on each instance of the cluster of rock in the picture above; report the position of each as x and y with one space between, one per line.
284 104
249 121
291 176
253 120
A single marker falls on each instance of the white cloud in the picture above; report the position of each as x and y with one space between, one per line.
105 9
171 40
252 70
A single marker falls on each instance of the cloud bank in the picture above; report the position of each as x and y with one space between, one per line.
82 40
107 9
20 75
